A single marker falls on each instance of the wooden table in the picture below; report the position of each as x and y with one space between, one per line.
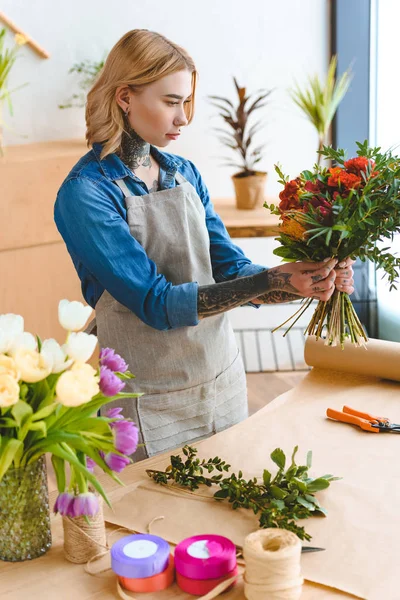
258 222
52 577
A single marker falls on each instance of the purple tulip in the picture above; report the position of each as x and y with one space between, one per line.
126 434
110 384
63 504
85 504
114 413
90 464
110 359
115 462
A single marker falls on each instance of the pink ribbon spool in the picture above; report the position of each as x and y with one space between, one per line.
204 557
201 587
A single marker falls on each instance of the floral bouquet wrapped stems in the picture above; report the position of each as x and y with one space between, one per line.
49 399
340 212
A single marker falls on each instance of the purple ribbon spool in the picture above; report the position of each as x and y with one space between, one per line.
139 556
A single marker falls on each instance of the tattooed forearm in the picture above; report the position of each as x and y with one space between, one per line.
219 297
278 297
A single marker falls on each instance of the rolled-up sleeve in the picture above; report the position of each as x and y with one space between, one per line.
97 235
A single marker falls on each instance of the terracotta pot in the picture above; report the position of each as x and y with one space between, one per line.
249 190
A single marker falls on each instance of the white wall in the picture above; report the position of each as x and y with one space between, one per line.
387 127
265 43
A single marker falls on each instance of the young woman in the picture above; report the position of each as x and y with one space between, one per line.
155 260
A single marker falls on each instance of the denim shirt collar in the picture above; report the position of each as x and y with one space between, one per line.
114 168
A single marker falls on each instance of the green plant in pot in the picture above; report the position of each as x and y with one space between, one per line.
249 183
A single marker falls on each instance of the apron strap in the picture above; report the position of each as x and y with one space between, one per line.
125 190
179 178
123 187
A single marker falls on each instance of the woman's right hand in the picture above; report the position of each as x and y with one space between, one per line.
310 280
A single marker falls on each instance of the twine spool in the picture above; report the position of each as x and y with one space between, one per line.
272 558
83 540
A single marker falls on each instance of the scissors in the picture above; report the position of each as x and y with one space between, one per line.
366 421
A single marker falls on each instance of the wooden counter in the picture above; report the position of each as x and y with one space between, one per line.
35 268
246 223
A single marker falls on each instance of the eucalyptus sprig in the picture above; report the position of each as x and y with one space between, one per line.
278 501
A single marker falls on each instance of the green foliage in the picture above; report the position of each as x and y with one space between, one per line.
278 501
8 56
320 100
240 135
87 71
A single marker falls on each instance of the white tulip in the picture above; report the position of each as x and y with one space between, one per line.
73 315
10 327
80 346
55 355
23 340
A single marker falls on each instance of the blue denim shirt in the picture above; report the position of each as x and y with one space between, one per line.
91 216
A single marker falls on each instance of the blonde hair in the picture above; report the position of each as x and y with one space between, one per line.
139 58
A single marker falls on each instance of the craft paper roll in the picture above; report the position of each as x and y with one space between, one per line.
205 557
378 359
139 555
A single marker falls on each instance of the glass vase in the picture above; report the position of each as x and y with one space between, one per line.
24 513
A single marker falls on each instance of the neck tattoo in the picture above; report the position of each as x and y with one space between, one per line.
135 152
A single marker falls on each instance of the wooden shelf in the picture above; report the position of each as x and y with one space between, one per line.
258 222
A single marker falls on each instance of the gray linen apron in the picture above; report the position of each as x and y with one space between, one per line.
192 378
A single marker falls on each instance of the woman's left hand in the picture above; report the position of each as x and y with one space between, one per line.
344 281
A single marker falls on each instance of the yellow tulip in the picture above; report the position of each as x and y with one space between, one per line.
9 390
78 385
31 365
9 367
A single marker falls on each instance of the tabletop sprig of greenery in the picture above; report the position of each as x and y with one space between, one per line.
278 501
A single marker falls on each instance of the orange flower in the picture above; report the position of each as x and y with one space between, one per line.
292 226
339 178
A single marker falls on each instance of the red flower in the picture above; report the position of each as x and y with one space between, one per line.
358 164
340 178
314 187
289 196
322 207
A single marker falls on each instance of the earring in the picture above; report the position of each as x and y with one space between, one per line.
127 112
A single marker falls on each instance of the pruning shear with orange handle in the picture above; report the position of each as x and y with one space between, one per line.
364 420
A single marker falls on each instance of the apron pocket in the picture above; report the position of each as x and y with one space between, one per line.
231 396
172 419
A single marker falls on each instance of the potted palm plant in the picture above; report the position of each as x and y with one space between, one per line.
249 183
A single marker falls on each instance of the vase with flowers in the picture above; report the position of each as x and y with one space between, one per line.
49 400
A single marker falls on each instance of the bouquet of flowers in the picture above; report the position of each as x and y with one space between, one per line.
49 399
343 211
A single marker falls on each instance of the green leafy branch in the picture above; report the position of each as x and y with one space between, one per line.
277 501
